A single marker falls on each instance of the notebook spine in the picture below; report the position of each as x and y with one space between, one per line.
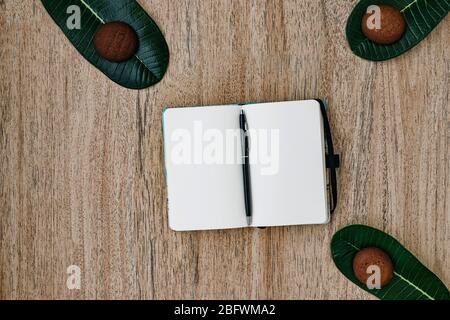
332 159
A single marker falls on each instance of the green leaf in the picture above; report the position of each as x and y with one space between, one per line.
421 17
411 281
149 64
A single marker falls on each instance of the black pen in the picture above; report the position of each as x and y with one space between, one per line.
246 166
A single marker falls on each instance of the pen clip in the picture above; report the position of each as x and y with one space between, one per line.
243 121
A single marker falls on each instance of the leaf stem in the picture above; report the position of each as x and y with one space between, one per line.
92 10
409 5
414 286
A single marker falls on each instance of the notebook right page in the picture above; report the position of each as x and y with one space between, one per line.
288 172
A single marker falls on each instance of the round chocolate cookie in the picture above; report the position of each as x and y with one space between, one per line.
387 29
116 41
373 257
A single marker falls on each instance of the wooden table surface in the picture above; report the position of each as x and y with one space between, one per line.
81 170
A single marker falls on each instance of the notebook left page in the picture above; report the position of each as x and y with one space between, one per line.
204 177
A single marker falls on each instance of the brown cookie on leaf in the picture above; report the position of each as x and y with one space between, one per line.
369 257
116 41
383 24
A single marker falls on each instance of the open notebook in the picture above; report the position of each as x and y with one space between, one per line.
287 172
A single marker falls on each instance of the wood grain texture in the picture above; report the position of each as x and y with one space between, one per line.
81 170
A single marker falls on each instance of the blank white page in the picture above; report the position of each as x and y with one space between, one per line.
294 191
203 194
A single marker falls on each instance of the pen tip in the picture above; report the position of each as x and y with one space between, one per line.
249 220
